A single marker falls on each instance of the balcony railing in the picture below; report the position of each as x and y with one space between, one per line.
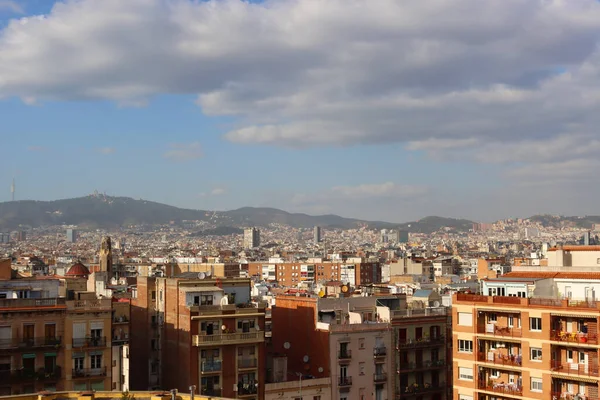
247 389
213 392
247 363
380 351
344 355
500 359
30 342
211 366
496 330
417 390
574 369
120 320
504 388
228 338
99 341
88 372
89 305
573 337
31 303
344 381
421 312
382 377
422 342
404 367
29 374
571 396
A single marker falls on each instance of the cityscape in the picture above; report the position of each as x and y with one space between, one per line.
299 199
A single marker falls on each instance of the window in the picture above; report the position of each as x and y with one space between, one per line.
361 368
206 300
465 319
495 373
361 343
96 361
465 346
535 324
154 295
511 321
78 363
465 374
465 397
153 344
160 295
536 384
316 397
536 354
492 317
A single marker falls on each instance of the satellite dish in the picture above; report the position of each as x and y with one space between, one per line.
287 345
345 289
208 273
320 369
306 358
298 294
436 303
201 275
223 327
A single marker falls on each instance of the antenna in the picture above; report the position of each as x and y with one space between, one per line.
12 190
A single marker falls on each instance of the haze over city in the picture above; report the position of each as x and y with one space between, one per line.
370 109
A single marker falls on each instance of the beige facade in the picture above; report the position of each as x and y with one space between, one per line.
361 361
299 389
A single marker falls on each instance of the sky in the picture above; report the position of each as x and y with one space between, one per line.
376 109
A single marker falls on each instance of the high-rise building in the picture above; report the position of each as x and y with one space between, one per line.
251 238
204 332
4 237
22 236
532 335
71 235
403 236
317 234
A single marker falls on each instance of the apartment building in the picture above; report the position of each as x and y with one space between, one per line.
203 332
423 353
121 316
371 347
539 345
354 271
48 342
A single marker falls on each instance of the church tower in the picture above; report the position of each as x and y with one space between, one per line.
106 259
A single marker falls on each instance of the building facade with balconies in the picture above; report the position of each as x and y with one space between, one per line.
204 333
508 347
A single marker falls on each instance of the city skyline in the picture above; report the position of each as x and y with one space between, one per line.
372 110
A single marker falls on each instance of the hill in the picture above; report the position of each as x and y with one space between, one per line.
98 211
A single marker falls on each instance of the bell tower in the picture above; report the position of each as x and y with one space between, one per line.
106 256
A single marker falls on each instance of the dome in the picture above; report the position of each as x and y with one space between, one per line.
78 270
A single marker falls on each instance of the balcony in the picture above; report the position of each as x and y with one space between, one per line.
33 304
504 388
345 381
89 305
214 392
247 389
422 365
425 341
379 351
380 378
500 359
228 338
571 396
418 390
120 320
29 343
574 369
88 372
503 331
247 363
208 366
421 312
344 355
99 341
574 337
44 374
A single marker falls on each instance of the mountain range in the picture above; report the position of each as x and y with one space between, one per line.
100 211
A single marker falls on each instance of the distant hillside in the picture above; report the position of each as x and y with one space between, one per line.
98 211
556 221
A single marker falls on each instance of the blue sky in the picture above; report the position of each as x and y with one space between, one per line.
196 116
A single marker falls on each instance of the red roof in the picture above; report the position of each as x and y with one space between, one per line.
576 248
78 269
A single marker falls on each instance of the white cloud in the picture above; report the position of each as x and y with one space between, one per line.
462 78
11 6
106 150
218 191
184 152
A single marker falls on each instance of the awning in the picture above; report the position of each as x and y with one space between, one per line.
566 315
577 378
29 355
500 310
49 354
96 353
78 355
